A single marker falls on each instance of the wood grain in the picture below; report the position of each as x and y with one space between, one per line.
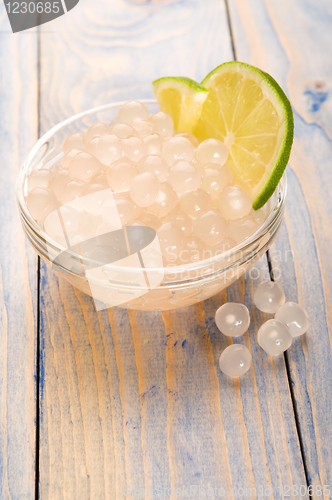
287 39
18 269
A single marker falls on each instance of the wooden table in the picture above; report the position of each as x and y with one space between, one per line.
93 401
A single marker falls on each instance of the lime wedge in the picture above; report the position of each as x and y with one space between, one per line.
182 98
248 111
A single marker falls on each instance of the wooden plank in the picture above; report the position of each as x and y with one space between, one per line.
18 268
137 398
289 40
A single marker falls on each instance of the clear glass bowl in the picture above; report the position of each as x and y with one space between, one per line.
182 285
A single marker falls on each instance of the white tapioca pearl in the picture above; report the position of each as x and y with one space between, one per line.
131 110
212 150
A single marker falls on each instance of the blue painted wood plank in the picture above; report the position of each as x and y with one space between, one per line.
290 40
18 269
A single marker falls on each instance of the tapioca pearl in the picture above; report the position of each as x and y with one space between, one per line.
235 360
58 181
214 180
165 202
87 225
199 166
67 159
131 110
177 148
259 216
149 219
41 202
39 178
72 190
96 130
212 150
144 189
274 337
223 246
93 204
100 179
91 147
228 171
120 175
241 229
192 252
184 177
155 165
234 203
182 221
122 130
232 319
195 203
171 240
74 141
188 135
63 220
269 297
163 124
133 148
153 144
295 317
109 149
210 227
84 166
142 128
137 209
124 208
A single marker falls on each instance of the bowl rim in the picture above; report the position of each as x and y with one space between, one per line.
275 211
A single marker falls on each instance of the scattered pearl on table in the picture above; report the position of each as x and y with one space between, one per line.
269 297
274 337
232 319
294 317
235 360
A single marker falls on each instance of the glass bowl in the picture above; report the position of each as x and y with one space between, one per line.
180 285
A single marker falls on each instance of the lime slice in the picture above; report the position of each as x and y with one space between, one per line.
182 98
248 111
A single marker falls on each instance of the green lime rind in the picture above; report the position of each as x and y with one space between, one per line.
265 189
178 82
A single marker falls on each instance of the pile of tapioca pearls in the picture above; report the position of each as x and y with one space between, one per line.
160 179
274 336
